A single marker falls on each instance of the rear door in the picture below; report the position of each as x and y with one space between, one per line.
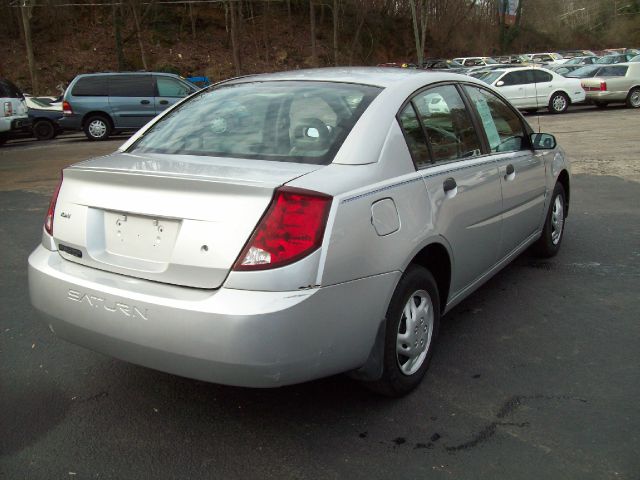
169 90
132 100
542 87
459 179
521 171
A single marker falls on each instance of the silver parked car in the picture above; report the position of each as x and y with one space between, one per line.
279 228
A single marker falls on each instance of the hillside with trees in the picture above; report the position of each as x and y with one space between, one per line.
45 43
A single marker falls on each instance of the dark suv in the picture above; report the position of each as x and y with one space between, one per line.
105 103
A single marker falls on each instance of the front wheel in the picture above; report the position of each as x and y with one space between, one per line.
633 99
97 128
549 242
413 320
558 103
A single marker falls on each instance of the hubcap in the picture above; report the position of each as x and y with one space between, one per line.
635 98
97 128
559 103
557 220
414 332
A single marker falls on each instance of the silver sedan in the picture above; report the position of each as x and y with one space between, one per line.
279 228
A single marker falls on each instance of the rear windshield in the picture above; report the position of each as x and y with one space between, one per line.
287 121
488 77
584 72
9 90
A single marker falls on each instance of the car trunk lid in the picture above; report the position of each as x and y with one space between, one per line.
175 219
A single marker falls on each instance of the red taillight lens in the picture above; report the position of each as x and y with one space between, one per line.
8 109
66 108
603 86
291 228
48 221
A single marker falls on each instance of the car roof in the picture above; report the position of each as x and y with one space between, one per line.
98 74
374 76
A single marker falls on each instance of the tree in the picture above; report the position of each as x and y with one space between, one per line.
26 10
419 16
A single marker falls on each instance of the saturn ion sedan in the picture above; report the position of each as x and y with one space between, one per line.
279 228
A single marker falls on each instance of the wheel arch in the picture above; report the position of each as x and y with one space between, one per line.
562 91
97 113
563 179
436 258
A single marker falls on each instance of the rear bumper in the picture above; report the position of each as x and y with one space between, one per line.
14 124
233 337
606 96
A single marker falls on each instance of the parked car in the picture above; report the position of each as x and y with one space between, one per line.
532 88
585 60
200 82
585 71
619 58
513 60
475 61
284 227
45 117
104 103
635 59
546 58
13 116
618 83
443 64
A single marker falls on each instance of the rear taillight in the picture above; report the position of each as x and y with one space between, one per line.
291 228
603 86
8 109
66 108
48 221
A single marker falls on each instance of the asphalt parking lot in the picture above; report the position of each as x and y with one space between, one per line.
536 375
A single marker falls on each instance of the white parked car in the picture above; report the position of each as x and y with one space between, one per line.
532 88
476 61
13 110
550 58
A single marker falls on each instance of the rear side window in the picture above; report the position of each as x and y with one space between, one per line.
414 135
9 90
502 126
131 86
286 121
541 77
95 86
446 120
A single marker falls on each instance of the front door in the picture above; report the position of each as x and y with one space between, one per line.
169 91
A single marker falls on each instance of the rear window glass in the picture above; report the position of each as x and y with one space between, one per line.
131 86
91 87
287 121
9 90
617 71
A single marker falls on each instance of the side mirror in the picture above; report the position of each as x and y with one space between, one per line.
499 83
543 141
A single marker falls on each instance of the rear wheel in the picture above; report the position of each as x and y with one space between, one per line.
97 127
44 130
413 320
558 103
633 99
549 242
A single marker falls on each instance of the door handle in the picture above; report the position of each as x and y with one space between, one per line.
449 185
163 102
510 172
145 102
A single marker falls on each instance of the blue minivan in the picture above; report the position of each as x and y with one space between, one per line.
104 103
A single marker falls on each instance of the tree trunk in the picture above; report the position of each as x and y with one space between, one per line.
312 18
416 32
193 21
138 34
26 11
117 26
234 38
356 37
335 32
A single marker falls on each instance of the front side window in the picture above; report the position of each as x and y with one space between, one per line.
287 121
502 126
519 77
447 123
170 87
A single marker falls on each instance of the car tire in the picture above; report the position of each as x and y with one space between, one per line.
559 102
44 130
549 242
405 364
97 127
633 98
